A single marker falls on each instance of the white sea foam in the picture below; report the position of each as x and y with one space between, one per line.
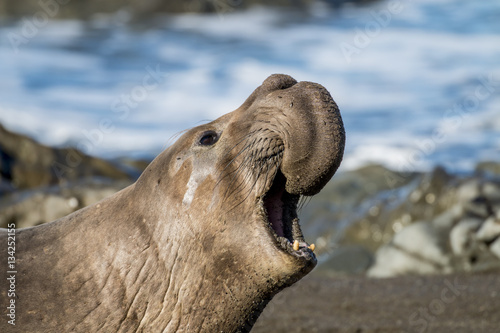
394 93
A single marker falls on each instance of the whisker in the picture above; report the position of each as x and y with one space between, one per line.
223 174
254 164
241 151
240 141
174 137
251 187
303 201
236 173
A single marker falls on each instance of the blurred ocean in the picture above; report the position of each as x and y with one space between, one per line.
417 82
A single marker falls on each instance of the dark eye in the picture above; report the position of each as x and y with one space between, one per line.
208 138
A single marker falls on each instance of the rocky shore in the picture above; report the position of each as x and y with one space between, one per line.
64 9
386 223
39 184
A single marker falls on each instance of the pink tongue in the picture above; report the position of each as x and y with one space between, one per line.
274 207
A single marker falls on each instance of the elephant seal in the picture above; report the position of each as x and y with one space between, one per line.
202 241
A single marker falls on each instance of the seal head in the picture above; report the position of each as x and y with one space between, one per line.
241 178
203 240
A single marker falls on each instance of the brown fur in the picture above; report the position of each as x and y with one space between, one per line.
187 247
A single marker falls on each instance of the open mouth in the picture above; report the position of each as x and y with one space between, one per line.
280 210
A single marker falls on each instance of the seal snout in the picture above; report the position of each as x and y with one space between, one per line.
314 137
289 143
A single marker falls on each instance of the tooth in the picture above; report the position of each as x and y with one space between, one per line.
296 245
312 247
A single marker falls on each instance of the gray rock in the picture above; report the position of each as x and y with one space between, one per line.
478 207
26 164
495 248
469 190
462 236
491 191
489 230
29 207
417 249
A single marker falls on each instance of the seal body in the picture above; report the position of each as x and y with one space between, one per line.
202 241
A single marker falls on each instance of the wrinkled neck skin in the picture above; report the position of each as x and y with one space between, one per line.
222 276
172 265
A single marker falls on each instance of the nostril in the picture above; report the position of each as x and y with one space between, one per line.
278 82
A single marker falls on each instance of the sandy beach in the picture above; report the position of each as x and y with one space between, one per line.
446 303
